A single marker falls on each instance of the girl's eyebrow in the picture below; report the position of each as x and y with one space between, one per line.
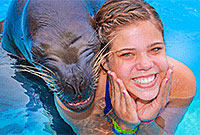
155 43
125 49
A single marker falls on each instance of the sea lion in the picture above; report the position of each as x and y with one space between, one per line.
57 38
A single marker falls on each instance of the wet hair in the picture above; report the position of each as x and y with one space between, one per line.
115 14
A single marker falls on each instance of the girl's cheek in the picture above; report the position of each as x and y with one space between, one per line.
162 63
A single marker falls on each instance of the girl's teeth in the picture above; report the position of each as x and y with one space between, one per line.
145 80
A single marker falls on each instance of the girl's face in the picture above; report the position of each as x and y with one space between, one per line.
139 59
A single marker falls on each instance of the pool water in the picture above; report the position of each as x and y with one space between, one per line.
26 104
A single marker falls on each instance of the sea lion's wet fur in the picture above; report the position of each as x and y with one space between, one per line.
61 39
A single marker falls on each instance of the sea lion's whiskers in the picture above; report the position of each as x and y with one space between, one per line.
47 78
35 73
99 57
52 87
44 74
95 80
60 93
32 69
25 68
51 84
96 67
96 76
45 69
96 57
95 85
100 53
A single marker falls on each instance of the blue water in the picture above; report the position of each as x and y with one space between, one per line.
28 108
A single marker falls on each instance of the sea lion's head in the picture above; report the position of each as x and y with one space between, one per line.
62 42
65 43
71 64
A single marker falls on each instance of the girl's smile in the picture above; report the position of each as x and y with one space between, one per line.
146 81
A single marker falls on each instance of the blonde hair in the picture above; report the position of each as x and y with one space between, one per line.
118 13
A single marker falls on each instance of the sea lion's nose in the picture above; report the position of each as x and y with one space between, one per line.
79 97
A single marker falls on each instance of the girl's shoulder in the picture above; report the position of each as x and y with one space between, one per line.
183 81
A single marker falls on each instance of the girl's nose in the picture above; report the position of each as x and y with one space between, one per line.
144 63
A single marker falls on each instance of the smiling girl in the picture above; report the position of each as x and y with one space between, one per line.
150 92
140 89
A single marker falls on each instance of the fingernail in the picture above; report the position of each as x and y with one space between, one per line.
109 74
171 71
123 93
166 80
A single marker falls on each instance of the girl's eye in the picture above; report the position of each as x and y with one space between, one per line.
127 55
157 49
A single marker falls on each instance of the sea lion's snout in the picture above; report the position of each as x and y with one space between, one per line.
76 87
74 79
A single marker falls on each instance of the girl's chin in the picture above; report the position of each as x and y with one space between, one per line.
145 95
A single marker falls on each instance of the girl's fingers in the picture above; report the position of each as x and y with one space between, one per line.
119 92
164 88
171 65
122 103
115 91
128 106
161 94
122 93
125 95
168 87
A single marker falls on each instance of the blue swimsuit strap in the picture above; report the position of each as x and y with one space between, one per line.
107 98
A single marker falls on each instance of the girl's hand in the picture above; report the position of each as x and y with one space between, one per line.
123 104
149 111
